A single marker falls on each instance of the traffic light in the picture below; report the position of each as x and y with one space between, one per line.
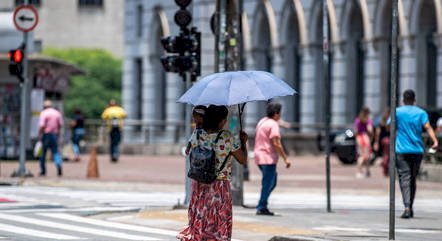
16 63
183 17
183 52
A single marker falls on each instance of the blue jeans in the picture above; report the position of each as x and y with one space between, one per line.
50 141
77 136
115 138
268 183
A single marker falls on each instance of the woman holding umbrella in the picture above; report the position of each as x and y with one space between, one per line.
210 208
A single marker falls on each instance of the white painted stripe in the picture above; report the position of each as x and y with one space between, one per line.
88 209
99 232
35 233
107 224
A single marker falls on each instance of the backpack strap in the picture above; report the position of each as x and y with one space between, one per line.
224 162
228 155
218 136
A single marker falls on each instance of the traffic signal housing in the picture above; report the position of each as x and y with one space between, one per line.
184 53
16 63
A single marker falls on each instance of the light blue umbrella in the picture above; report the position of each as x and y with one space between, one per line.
236 87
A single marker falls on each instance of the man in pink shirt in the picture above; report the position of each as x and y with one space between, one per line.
50 124
267 150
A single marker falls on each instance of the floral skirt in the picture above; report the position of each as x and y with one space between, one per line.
210 213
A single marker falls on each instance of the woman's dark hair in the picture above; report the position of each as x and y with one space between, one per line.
273 108
213 115
409 97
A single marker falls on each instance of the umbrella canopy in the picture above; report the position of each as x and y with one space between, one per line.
113 112
236 87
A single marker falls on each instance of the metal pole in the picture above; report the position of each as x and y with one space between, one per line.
220 41
393 103
188 131
24 117
326 68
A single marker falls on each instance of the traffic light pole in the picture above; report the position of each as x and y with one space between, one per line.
24 117
228 45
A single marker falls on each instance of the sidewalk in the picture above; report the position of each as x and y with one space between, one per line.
360 206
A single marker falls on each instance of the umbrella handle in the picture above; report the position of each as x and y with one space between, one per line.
240 111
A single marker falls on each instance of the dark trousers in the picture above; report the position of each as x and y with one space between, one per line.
268 183
407 166
115 138
50 141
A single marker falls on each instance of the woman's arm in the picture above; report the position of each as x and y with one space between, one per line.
241 154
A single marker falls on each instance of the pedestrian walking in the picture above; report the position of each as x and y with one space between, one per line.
411 120
114 116
210 207
364 132
267 149
50 124
382 140
78 132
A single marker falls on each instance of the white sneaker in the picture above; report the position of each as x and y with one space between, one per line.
360 175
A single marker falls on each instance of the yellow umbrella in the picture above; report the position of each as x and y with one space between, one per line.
113 112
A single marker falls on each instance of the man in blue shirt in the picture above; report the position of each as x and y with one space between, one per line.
409 147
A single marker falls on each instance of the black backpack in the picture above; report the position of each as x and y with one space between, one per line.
203 162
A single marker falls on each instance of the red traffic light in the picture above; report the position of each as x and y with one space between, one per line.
15 55
183 3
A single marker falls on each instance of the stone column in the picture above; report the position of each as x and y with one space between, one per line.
438 41
309 88
338 87
407 68
372 80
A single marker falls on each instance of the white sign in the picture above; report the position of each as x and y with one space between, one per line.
25 18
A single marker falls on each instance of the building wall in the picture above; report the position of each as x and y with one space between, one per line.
66 24
360 30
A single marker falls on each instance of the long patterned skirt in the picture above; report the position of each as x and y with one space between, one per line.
210 213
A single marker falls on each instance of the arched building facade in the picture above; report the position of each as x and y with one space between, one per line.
285 37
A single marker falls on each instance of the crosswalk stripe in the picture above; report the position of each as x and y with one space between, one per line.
108 224
35 233
69 227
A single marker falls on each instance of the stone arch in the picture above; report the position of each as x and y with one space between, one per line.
382 33
425 23
383 10
264 12
316 26
347 21
355 32
264 43
415 14
293 37
293 8
159 28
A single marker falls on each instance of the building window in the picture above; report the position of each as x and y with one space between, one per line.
90 3
32 2
139 21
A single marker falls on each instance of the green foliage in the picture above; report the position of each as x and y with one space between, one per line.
102 82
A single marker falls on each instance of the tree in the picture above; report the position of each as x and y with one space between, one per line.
102 82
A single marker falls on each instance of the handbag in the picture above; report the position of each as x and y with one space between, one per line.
38 149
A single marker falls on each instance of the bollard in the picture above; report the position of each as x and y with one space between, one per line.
92 168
